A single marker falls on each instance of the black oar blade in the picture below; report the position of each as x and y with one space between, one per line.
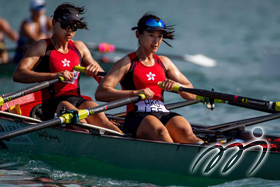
30 128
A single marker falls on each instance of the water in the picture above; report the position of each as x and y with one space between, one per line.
237 34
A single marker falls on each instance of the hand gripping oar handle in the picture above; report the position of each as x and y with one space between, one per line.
29 90
232 98
83 70
69 117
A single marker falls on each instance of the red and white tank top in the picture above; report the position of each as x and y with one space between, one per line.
54 62
139 77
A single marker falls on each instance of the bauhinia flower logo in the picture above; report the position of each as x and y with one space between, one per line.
151 76
66 63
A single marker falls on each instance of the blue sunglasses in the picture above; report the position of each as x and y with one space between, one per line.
154 23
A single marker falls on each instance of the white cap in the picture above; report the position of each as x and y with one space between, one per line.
36 3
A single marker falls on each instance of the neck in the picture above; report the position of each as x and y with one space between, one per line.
144 56
59 44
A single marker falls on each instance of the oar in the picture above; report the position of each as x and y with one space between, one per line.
249 122
71 117
198 59
28 90
35 88
247 102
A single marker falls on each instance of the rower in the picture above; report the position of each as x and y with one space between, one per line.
56 57
140 72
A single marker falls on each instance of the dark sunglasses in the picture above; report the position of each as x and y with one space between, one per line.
65 25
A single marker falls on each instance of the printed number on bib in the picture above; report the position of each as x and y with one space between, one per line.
151 106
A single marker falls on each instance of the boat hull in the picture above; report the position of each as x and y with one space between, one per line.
129 153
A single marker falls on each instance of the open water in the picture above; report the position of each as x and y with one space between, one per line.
238 34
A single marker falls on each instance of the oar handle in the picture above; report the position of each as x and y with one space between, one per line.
83 70
175 88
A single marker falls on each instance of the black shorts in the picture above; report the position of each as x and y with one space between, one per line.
133 120
49 107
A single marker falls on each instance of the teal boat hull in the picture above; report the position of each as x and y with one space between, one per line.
134 154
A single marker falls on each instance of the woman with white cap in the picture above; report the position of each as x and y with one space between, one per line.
37 26
139 73
56 56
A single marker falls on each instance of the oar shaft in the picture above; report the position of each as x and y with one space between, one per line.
115 104
232 123
254 107
30 128
252 121
232 98
229 97
28 90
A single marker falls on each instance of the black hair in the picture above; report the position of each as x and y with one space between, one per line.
81 10
169 30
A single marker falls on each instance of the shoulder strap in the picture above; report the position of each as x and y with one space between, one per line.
158 61
132 56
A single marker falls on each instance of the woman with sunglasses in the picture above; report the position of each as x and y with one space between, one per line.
139 73
56 56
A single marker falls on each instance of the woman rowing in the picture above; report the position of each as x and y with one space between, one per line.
56 56
139 73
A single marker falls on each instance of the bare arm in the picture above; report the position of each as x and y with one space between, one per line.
174 77
8 31
24 73
92 67
106 90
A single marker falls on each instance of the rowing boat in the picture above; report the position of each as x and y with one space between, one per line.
185 160
130 153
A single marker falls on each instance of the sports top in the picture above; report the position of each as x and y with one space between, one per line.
140 76
54 61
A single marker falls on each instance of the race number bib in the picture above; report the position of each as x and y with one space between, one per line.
151 106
